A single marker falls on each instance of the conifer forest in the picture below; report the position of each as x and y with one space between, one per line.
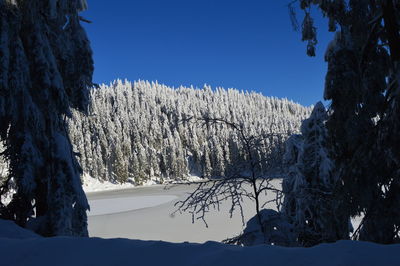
296 141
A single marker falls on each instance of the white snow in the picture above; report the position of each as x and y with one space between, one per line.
91 184
194 178
132 121
9 229
124 204
145 211
25 250
158 222
7 197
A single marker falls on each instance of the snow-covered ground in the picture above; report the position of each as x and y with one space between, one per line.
28 249
145 213
9 229
91 184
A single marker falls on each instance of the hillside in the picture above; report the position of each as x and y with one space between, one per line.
142 131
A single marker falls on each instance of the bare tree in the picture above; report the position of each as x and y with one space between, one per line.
247 180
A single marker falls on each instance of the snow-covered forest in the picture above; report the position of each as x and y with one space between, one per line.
145 130
338 164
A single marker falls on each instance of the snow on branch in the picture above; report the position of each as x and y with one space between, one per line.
244 182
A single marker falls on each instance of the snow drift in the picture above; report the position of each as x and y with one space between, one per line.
33 250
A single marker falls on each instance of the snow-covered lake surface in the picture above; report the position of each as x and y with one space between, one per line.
146 213
125 204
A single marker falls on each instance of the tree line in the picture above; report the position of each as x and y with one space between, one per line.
144 130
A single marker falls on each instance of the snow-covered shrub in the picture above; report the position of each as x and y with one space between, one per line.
276 230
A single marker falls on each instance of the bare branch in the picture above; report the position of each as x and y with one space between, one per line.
247 182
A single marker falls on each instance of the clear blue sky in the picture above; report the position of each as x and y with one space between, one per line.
243 44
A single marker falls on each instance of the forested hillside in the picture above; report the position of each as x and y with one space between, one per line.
142 130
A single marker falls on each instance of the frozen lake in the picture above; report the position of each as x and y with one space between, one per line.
145 213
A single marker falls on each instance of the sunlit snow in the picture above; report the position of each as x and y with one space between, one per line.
124 204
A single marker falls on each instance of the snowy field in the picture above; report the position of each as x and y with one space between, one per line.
23 248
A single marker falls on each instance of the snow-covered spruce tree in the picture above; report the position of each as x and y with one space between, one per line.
363 85
310 202
165 146
45 69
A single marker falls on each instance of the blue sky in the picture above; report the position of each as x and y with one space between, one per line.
243 44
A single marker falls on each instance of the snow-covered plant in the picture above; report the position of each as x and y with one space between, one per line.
310 202
363 86
140 131
275 230
45 69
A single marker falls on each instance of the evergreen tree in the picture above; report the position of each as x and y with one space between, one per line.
310 202
45 69
363 84
165 144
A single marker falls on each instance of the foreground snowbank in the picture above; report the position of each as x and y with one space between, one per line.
9 229
60 251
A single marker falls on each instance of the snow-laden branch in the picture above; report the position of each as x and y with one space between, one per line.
66 22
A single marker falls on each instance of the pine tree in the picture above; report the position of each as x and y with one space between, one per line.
45 69
363 84
125 114
309 187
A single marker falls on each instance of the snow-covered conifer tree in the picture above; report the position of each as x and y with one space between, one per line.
151 122
310 202
45 69
363 86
